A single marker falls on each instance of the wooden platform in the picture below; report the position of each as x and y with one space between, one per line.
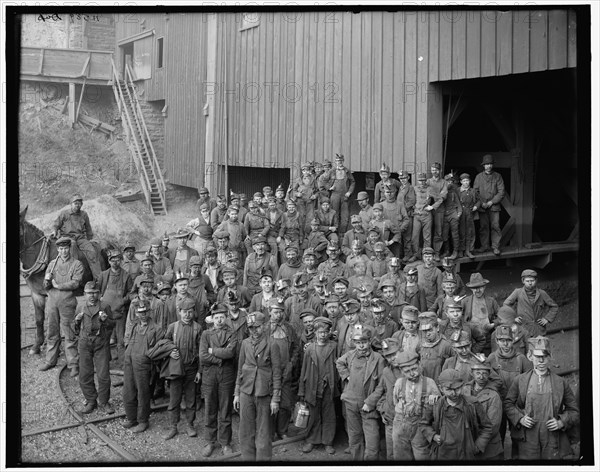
541 255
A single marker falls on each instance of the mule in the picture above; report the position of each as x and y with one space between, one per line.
36 252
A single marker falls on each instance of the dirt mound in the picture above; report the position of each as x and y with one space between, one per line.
110 221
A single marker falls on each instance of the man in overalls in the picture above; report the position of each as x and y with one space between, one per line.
342 188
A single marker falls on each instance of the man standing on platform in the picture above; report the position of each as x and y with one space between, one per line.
341 190
438 189
489 187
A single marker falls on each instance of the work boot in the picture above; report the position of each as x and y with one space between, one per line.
469 254
127 424
208 450
172 431
454 255
461 254
106 408
190 430
74 371
329 449
35 349
308 447
140 428
227 450
46 367
91 406
496 251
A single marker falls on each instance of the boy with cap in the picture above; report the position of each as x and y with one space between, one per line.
256 224
361 277
452 215
452 327
218 347
360 370
408 335
300 300
394 273
221 239
386 181
63 276
412 393
357 254
374 237
236 230
308 335
185 334
284 335
389 296
258 262
205 199
449 266
318 386
74 223
429 277
201 228
382 397
274 215
422 218
162 265
383 326
407 196
463 358
147 268
311 269
349 325
387 230
433 349
506 360
534 307
328 220
410 291
447 296
181 255
357 232
466 225
380 259
341 189
455 427
486 394
181 286
257 390
236 319
293 262
540 406
200 287
137 370
218 214
93 324
480 308
229 280
130 263
144 296
366 210
438 190
340 287
489 189
262 300
291 230
316 240
332 310
506 316
305 193
164 313
333 267
280 198
115 285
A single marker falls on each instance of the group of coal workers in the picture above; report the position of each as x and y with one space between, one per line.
259 317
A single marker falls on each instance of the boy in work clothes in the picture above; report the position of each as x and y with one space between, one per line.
257 390
93 323
318 387
137 370
360 370
185 334
217 350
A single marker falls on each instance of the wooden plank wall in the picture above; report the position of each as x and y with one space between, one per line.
304 86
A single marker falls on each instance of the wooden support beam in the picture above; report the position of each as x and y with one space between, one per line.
41 67
209 171
80 99
508 231
86 65
71 103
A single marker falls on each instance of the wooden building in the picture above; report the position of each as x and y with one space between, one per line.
242 93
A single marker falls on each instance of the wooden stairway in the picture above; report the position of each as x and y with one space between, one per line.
139 142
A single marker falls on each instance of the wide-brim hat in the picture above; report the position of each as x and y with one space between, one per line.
487 159
477 280
181 233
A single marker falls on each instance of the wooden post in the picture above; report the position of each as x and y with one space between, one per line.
211 165
80 99
71 103
435 130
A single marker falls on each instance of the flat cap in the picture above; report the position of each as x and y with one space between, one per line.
465 176
410 270
308 312
428 250
203 190
310 251
147 257
410 312
529 273
478 364
187 304
487 159
362 196
427 320
256 318
341 280
91 286
362 333
114 253
437 165
259 239
325 200
332 298
276 304
76 198
504 332
195 260
374 229
218 308
351 306
402 174
233 208
221 234
323 320
63 241
506 315
160 286
355 219
379 246
451 378
147 279
157 242
539 346
229 270
407 358
378 206
128 245
464 339
421 176
389 346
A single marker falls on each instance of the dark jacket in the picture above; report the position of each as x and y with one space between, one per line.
259 371
309 375
382 397
223 350
373 372
90 325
